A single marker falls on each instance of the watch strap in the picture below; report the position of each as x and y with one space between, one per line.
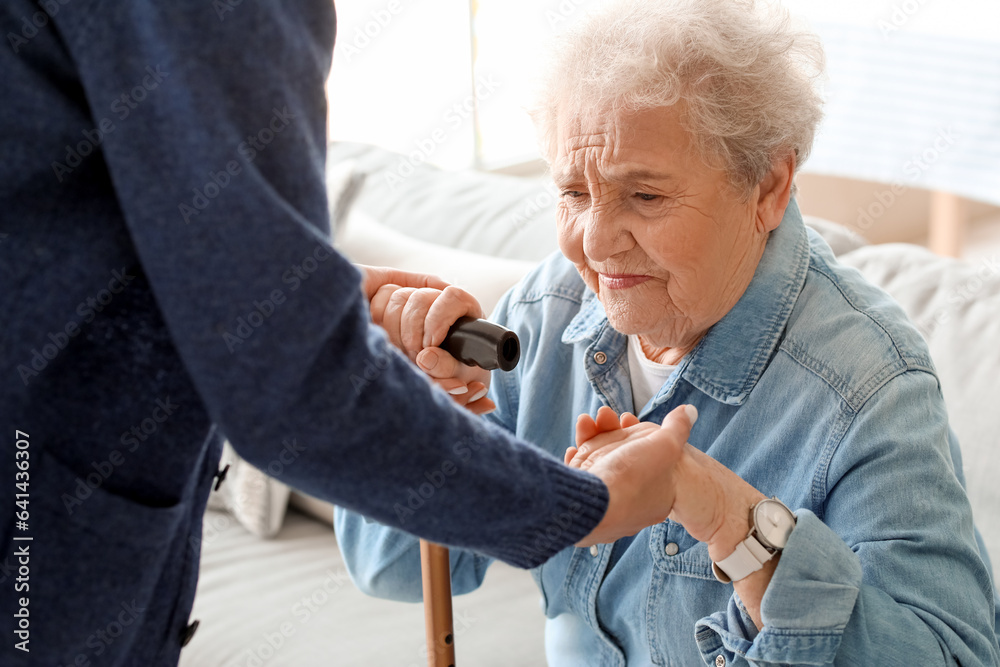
748 557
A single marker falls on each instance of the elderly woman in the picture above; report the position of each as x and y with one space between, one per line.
817 514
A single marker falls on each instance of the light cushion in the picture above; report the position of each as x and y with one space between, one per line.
255 499
366 241
289 602
840 239
492 214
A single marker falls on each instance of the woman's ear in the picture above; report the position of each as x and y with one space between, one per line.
774 192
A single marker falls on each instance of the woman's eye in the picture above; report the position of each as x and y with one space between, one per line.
575 194
646 197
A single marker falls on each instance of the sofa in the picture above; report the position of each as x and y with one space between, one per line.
273 590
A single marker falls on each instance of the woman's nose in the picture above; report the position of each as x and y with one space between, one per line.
605 233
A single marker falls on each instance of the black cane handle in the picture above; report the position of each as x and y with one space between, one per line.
484 344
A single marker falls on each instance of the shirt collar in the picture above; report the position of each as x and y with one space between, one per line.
729 360
588 322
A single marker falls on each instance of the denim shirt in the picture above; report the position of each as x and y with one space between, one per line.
814 388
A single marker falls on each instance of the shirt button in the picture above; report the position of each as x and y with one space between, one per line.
188 632
600 358
671 549
594 551
720 661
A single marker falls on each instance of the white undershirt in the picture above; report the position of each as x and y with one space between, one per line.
647 376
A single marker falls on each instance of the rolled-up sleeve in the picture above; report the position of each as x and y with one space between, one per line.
808 604
892 574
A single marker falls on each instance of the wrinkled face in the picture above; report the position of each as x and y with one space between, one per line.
661 238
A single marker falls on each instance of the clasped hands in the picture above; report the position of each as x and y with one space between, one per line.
651 471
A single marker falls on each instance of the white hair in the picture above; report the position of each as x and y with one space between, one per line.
745 77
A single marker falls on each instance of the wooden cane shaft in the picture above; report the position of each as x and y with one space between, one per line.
436 570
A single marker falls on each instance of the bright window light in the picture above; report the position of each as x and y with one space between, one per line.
402 78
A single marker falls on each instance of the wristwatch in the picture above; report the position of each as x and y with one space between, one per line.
771 522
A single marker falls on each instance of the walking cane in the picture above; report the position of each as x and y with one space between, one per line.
489 346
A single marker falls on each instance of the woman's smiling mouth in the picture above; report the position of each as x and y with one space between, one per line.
621 280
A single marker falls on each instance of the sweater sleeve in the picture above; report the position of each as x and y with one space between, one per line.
214 137
385 562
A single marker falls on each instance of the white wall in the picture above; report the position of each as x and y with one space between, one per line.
401 78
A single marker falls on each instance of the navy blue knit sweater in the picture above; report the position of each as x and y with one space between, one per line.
167 277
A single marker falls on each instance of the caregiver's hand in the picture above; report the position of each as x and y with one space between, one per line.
708 499
417 320
637 461
702 490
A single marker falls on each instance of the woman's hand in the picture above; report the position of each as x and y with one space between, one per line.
708 496
417 319
711 501
637 463
588 428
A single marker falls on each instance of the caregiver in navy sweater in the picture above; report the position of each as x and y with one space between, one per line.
167 278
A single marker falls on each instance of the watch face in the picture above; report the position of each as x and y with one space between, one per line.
774 523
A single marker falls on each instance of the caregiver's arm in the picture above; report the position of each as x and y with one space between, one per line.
230 111
244 97
416 320
384 562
